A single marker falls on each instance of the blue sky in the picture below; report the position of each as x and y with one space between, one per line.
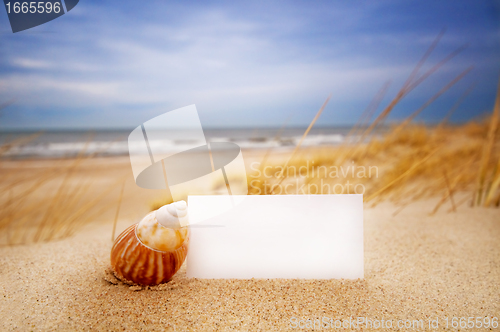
244 64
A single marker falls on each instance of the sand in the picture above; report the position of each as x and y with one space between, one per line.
417 267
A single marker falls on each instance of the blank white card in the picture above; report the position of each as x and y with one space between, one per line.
290 236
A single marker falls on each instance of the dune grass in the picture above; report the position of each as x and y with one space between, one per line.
410 161
47 203
417 163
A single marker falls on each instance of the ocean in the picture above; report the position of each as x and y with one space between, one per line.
66 143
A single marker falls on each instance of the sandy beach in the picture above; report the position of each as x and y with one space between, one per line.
417 267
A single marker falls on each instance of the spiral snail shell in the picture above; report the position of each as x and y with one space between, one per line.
152 251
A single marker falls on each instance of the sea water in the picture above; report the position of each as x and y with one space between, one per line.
70 143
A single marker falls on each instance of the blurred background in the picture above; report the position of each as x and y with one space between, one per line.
412 84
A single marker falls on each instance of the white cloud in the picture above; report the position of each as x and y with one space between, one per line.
32 63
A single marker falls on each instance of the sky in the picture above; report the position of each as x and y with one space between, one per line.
116 64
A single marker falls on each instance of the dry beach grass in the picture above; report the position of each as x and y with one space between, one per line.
416 163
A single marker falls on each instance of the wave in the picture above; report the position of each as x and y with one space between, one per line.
69 149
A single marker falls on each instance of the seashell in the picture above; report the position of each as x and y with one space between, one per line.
152 251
